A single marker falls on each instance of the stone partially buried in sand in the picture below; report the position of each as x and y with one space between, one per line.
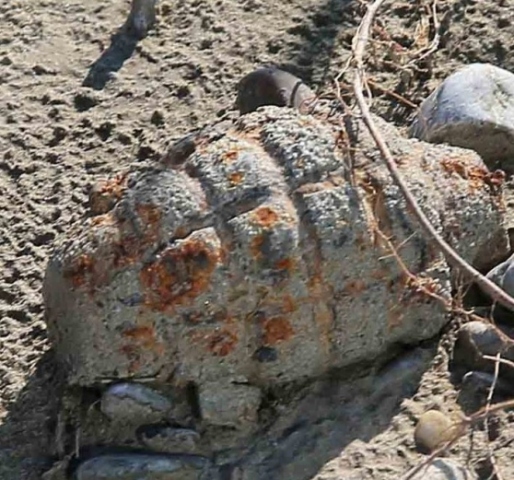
433 430
473 108
444 469
503 275
134 403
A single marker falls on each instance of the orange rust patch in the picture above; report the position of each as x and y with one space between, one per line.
265 217
145 338
143 334
276 330
81 267
104 220
236 178
180 274
230 156
285 264
476 176
150 215
222 343
142 340
114 187
354 287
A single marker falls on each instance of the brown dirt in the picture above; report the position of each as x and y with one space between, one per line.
58 137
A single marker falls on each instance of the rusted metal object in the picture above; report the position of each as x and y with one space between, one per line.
256 260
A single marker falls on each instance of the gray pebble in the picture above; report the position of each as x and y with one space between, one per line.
143 467
134 403
473 108
443 469
162 438
503 275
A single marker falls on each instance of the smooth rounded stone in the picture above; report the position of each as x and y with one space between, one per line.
229 405
473 108
134 403
433 430
444 469
163 438
476 339
503 275
272 86
144 467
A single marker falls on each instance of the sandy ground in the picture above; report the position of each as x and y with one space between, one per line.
57 137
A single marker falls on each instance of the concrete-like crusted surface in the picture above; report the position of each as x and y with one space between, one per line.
256 261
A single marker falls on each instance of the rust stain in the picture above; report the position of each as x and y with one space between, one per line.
141 340
115 187
222 343
149 214
106 219
145 338
256 245
475 175
230 156
180 274
80 269
285 264
265 217
276 330
235 178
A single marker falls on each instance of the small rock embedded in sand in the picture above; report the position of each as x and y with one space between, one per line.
473 108
444 469
503 275
132 402
143 467
433 430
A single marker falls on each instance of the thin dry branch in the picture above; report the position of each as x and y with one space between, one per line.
434 44
359 46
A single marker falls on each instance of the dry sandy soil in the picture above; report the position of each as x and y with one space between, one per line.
58 136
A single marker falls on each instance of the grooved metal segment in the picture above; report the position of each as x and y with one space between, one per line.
255 260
